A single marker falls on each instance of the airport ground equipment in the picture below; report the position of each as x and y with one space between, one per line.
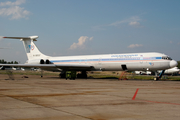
70 75
123 76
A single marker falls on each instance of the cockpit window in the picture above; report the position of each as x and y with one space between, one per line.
166 58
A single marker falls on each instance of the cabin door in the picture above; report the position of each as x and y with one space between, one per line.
124 67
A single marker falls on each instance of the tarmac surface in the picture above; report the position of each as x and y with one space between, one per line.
51 98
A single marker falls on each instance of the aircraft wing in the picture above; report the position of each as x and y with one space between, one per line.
53 66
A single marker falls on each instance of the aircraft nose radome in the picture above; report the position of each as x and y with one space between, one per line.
173 63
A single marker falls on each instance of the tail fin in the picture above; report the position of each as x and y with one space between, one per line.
30 48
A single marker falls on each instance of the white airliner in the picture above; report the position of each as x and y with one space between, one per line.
171 71
151 61
143 72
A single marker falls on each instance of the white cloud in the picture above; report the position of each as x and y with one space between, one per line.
13 9
117 23
135 45
99 28
133 21
81 42
8 3
91 38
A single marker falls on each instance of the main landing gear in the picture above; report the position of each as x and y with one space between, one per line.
83 74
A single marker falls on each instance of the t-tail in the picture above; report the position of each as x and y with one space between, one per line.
31 49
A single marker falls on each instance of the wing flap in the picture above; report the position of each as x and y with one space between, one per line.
74 67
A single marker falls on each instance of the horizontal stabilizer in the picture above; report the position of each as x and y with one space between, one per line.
24 38
31 49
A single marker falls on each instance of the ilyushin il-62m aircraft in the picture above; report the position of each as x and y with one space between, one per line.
151 61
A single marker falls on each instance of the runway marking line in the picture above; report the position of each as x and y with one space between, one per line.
135 94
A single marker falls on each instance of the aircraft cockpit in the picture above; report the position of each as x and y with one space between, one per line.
166 58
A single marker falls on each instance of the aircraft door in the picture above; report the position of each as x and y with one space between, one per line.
99 63
124 67
142 65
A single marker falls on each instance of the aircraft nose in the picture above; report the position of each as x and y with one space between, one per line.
173 63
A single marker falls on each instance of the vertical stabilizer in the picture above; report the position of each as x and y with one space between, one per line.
30 48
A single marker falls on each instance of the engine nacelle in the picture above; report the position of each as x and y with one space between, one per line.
38 61
41 61
48 62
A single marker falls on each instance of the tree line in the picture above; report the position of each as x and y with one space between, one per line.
178 64
2 61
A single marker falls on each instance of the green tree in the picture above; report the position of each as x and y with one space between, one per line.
178 64
15 62
2 61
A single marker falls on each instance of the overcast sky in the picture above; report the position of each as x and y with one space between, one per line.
80 27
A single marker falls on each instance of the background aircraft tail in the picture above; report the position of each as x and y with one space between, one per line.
30 48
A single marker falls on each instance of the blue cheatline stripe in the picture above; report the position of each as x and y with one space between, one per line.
108 59
158 57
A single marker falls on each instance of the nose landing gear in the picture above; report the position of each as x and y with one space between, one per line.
160 75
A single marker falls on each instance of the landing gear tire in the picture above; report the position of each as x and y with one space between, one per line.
156 79
62 74
83 74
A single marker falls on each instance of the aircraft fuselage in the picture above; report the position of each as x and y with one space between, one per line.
117 62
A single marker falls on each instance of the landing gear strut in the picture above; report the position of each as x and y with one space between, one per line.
62 74
41 73
82 75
